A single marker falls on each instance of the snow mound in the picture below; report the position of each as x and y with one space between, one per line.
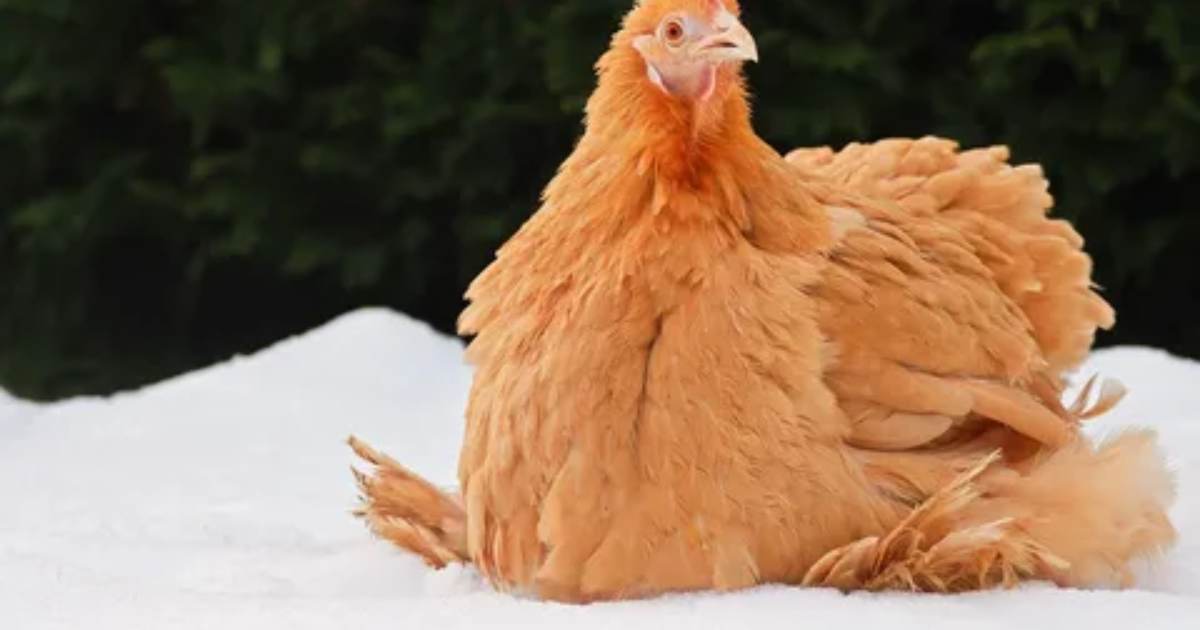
220 499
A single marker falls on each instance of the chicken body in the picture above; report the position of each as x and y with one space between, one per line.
702 365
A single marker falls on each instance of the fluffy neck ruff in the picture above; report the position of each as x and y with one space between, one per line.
651 168
677 139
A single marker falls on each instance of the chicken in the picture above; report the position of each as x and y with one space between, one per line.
703 365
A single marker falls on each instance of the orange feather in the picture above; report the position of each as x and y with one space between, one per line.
702 365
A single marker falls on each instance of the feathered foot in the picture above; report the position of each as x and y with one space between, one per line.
927 552
1078 516
408 511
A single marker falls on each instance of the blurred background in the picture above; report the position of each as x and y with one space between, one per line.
181 180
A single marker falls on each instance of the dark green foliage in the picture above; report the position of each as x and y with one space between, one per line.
183 179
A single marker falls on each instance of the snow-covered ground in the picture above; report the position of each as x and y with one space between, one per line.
220 499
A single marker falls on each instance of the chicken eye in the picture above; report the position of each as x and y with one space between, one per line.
673 32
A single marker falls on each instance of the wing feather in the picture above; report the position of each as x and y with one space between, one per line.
954 297
1001 211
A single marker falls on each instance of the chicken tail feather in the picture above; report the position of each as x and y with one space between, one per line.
1097 508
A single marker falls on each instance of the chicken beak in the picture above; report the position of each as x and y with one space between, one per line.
733 42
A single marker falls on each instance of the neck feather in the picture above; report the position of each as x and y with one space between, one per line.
679 140
645 155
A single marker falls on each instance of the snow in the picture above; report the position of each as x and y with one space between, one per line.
221 498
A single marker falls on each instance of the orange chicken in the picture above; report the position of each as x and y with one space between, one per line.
704 365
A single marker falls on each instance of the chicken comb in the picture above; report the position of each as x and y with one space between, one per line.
728 5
